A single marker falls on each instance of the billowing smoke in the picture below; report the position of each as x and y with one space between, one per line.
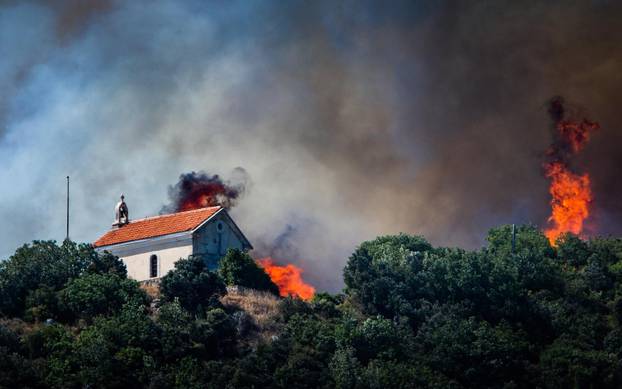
571 131
199 190
353 118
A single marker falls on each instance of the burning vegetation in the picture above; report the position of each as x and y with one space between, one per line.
571 194
199 190
288 278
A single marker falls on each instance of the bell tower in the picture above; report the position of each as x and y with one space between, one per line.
121 213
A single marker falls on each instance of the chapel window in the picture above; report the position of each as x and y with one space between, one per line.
153 266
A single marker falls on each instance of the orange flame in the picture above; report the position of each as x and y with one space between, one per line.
199 190
570 192
288 278
200 201
571 196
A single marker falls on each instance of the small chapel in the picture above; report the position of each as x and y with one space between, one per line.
150 247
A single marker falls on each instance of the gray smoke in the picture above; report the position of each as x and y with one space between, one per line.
353 118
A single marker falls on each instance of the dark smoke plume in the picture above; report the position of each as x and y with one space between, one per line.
283 247
199 190
571 133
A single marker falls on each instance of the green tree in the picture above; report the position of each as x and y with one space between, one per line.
17 370
345 368
380 374
238 268
95 294
118 351
213 336
412 316
473 352
193 284
383 275
529 239
41 263
572 250
41 304
176 324
308 344
570 364
107 263
46 266
190 372
56 344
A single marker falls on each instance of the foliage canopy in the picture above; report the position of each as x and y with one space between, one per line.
238 268
411 316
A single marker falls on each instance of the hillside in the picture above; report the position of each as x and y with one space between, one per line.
411 316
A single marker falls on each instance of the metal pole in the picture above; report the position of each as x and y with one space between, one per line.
513 238
67 208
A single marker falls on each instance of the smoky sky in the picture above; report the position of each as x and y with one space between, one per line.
353 119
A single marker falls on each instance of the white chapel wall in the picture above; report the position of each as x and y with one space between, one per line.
139 265
137 255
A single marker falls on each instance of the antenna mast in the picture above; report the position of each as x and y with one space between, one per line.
67 238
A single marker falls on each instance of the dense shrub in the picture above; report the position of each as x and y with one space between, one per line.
192 284
384 275
95 294
238 268
411 316
30 278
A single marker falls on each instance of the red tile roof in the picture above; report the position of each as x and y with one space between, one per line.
157 226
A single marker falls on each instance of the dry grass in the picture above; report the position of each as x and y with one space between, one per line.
262 307
151 288
19 326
